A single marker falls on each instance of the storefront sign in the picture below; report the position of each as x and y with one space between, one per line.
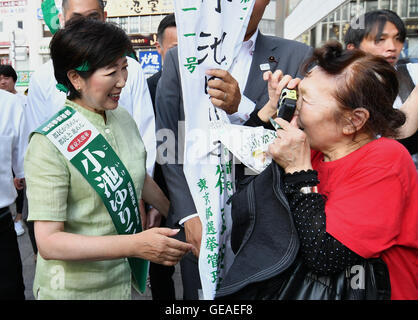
119 8
10 4
140 40
5 61
23 78
412 27
12 7
150 61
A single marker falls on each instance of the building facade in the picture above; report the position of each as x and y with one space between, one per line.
25 38
22 37
139 19
316 21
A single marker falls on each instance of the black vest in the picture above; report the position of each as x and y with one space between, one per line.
406 85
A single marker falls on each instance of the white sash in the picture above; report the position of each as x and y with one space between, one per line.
210 36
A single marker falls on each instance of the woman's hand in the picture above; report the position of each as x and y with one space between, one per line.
19 183
277 81
291 149
156 245
153 218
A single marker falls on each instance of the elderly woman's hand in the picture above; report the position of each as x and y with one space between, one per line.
291 149
277 81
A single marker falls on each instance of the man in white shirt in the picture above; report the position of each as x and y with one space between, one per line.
12 150
8 79
44 99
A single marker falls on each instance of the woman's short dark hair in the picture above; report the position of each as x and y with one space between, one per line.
8 71
374 23
363 81
86 42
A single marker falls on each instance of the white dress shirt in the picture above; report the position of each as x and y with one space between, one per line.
240 70
12 145
23 99
44 100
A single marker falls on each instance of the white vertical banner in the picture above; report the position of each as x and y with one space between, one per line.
210 34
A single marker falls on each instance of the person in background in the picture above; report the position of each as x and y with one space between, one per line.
384 34
8 79
12 150
162 285
240 93
352 190
74 229
166 39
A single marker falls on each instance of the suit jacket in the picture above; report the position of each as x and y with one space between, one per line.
152 86
158 173
282 54
406 85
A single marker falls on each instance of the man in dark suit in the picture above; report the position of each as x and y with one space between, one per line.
258 54
162 285
166 39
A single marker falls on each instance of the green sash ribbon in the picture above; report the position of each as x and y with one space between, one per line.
83 145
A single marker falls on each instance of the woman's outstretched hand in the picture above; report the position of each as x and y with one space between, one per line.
158 246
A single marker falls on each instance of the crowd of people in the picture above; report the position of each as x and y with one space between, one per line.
348 159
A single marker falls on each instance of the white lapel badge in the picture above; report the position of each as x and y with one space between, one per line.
264 67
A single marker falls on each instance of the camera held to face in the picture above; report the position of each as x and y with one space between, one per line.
287 104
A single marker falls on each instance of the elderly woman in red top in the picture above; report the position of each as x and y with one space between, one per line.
353 192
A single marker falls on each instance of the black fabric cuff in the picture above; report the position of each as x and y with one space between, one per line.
255 121
300 179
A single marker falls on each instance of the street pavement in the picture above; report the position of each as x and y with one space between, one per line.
28 263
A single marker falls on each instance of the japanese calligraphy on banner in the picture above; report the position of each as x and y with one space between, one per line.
210 34
83 145
117 8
